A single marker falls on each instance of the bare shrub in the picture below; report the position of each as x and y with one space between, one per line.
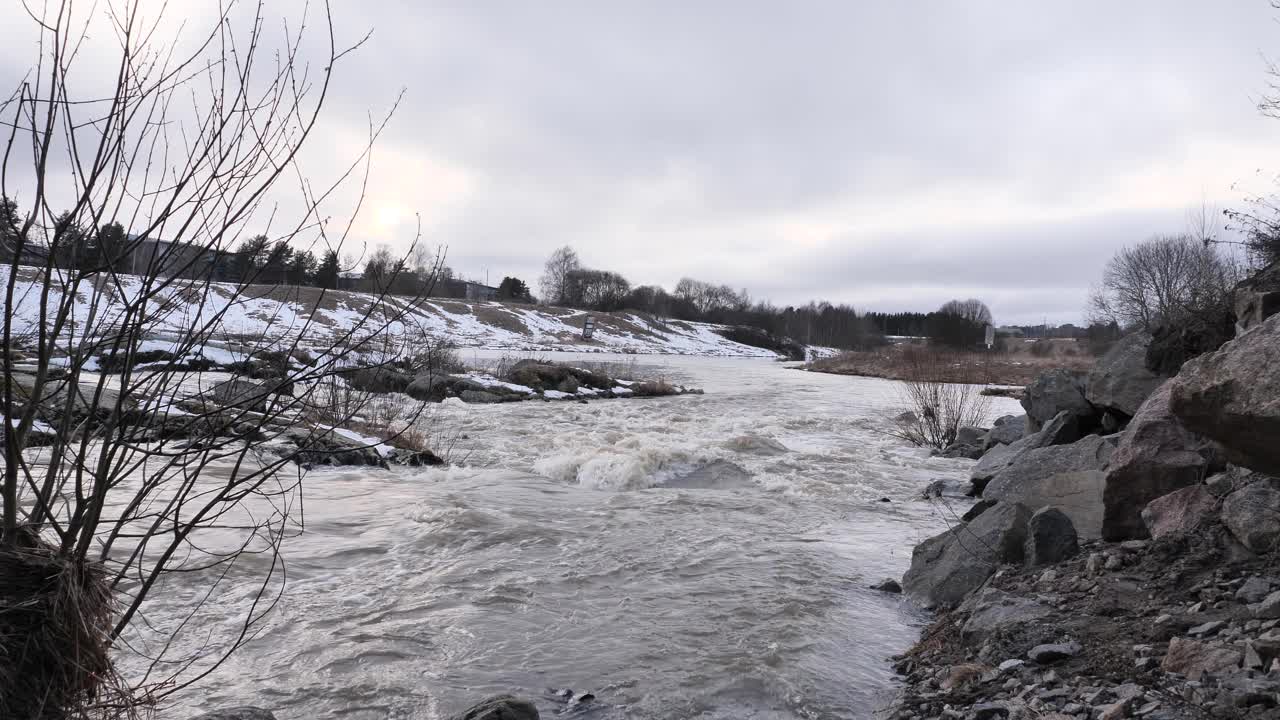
937 409
1042 348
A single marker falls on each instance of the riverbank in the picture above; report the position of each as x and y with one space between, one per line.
906 361
1121 559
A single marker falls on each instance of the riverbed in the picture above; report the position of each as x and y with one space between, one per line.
688 557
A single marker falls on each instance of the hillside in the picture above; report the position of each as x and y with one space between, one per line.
280 312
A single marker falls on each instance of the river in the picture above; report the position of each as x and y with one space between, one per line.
690 557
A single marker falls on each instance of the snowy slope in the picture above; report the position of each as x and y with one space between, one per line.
281 313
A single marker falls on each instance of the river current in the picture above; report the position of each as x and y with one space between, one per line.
704 556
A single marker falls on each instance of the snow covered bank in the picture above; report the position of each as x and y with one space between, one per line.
285 312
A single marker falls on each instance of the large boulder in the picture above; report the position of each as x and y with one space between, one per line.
1258 298
1063 429
1156 456
1005 431
1178 512
1120 380
1253 516
949 566
1053 392
1069 477
501 707
1051 537
1233 396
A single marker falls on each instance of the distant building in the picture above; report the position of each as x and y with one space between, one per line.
1010 331
479 293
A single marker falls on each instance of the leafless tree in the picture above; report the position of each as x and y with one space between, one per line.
972 310
937 409
128 470
555 275
1164 280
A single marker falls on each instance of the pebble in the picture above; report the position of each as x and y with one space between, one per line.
1045 654
1208 628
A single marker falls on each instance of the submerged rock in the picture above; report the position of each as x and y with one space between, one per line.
501 707
238 713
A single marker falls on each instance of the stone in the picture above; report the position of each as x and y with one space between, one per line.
1192 659
1011 665
1005 430
479 396
1051 538
1257 298
1252 514
1268 609
889 585
949 566
1230 396
1180 511
1254 590
1221 484
501 707
991 610
961 675
1052 653
238 713
238 394
1205 629
1114 711
1053 392
1120 379
1068 477
978 508
1156 456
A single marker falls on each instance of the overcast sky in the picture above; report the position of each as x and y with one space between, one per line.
889 155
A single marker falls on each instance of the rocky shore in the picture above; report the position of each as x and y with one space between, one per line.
1120 560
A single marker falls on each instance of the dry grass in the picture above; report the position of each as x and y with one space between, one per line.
1018 366
56 617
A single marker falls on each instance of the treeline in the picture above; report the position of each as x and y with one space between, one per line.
566 282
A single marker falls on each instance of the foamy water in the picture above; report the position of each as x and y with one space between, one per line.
699 556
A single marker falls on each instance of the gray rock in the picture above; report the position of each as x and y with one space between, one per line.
501 707
1005 431
1069 477
889 585
1063 429
1205 629
1254 590
1051 538
1257 298
1192 659
1253 515
1230 396
238 713
1053 392
1178 512
239 394
949 566
1120 379
479 396
978 508
991 610
1269 608
969 435
1156 456
1048 654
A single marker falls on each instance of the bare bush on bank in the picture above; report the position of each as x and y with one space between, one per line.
119 486
937 409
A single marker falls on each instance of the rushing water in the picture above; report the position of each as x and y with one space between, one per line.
691 557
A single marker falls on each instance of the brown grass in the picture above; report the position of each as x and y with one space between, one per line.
1018 366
